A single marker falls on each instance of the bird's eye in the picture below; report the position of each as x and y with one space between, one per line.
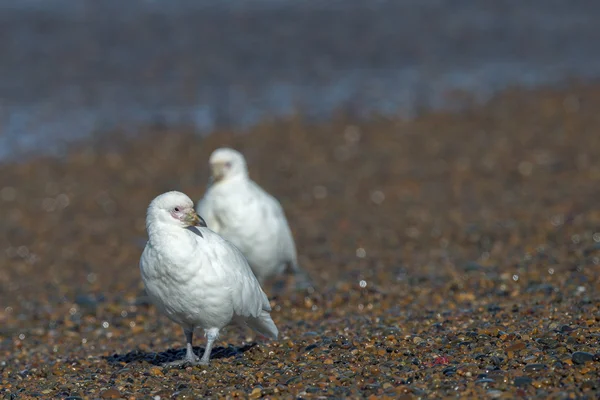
176 209
228 164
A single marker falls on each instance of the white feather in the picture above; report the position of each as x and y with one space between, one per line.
254 221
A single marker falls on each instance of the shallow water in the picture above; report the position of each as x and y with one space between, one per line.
70 69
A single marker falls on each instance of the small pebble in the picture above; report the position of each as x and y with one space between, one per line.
523 381
256 393
449 371
111 393
548 342
516 346
582 357
535 367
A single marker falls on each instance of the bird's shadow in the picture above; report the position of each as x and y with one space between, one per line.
175 354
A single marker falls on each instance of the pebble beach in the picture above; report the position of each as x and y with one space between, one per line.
454 255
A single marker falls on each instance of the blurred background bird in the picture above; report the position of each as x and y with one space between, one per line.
254 221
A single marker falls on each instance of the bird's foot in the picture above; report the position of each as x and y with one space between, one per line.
303 282
203 362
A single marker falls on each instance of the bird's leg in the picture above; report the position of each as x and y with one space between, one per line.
303 280
189 353
190 357
211 335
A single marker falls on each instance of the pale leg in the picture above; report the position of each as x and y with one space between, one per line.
211 335
301 277
189 353
190 357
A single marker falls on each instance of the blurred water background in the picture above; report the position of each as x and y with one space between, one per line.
72 69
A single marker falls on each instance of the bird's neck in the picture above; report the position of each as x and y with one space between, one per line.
175 249
233 180
169 237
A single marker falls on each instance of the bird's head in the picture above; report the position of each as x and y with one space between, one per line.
174 208
226 163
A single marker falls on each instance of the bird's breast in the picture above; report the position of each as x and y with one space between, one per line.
190 293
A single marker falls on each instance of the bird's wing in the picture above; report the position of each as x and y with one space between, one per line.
247 296
267 200
277 219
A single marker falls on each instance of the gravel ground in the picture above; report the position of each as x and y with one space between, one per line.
455 255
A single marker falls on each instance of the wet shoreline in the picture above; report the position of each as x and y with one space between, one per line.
73 72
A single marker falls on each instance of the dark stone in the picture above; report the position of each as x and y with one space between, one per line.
310 347
548 342
521 381
572 340
494 308
439 326
489 368
535 367
293 379
581 357
566 328
372 386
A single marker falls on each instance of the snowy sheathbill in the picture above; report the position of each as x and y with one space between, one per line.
242 212
198 279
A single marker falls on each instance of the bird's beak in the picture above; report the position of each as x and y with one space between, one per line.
194 219
217 170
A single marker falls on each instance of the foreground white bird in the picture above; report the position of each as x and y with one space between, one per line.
197 278
250 218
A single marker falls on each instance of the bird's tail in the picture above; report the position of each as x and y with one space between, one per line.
264 325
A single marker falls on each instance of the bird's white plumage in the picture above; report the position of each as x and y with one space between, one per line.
194 276
241 211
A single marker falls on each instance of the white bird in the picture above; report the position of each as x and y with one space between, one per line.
238 209
197 278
